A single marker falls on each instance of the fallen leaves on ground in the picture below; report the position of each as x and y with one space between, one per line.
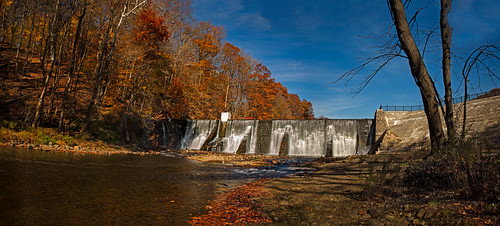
239 206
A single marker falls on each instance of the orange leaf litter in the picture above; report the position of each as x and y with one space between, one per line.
239 206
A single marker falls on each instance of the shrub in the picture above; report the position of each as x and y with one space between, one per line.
67 140
107 129
13 125
46 139
464 167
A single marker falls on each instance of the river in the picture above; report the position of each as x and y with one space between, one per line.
56 188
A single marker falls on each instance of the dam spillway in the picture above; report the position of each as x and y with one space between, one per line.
197 133
315 138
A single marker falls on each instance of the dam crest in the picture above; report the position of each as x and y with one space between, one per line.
313 138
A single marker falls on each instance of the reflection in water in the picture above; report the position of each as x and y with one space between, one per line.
38 187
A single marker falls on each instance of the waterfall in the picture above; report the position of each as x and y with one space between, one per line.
237 132
197 133
342 137
277 134
366 133
332 137
304 137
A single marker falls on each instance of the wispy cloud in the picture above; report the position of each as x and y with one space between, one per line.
309 44
294 64
333 107
255 21
222 11
217 9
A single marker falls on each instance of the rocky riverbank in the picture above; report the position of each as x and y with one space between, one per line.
86 148
234 159
355 190
100 148
372 190
392 188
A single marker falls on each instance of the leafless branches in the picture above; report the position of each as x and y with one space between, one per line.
484 58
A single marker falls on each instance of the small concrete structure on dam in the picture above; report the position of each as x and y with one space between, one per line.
315 138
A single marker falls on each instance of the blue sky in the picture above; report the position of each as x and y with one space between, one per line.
309 44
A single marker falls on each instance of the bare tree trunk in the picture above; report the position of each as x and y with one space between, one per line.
53 90
472 62
84 47
50 44
3 25
26 61
99 72
420 74
227 93
446 44
465 112
125 124
56 79
102 71
125 114
39 106
72 66
18 48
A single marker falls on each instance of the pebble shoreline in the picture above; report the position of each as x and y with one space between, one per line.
77 149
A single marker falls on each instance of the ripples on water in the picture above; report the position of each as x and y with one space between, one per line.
53 188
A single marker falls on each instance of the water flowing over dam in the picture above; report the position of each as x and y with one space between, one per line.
197 133
330 137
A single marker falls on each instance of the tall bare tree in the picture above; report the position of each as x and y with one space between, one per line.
76 55
446 65
420 73
116 20
50 46
405 42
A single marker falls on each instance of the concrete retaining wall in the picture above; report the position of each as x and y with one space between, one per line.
403 128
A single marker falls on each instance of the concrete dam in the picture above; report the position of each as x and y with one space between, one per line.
330 137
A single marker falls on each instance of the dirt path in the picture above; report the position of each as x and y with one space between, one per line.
334 194
358 190
351 191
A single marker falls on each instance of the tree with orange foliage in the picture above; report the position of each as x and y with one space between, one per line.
82 59
233 68
307 109
144 75
207 92
260 93
115 17
151 30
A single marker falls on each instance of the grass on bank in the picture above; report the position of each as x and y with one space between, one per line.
21 135
12 131
105 129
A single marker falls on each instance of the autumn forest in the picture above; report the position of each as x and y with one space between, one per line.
67 64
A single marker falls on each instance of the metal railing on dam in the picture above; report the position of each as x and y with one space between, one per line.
421 107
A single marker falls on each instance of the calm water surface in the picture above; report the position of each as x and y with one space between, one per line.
51 188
